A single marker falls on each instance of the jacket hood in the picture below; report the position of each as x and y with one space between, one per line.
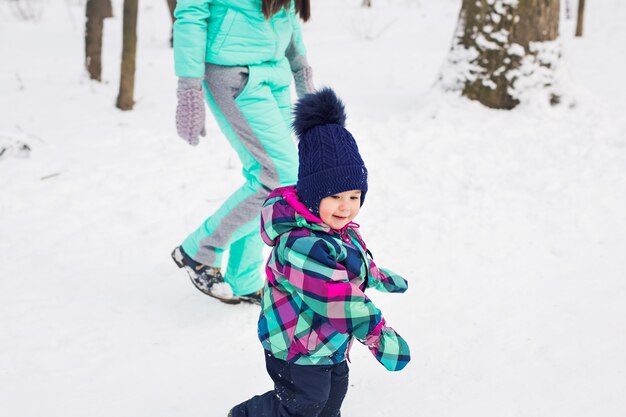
283 211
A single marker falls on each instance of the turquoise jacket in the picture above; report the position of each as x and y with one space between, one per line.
233 33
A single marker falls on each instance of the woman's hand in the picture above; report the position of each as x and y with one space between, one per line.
304 81
190 110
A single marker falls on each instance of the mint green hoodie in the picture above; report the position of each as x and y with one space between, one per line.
231 32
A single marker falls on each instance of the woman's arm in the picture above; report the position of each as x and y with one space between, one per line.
296 54
190 37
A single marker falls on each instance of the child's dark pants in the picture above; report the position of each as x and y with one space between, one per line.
299 391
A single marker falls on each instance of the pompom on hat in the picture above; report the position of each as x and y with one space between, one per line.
330 162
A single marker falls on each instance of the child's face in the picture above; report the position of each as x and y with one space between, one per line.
339 209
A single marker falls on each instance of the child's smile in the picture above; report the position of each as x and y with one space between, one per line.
340 209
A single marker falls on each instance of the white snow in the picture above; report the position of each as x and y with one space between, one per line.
516 49
541 74
483 43
501 36
510 226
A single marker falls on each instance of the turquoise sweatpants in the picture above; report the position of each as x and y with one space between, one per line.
252 106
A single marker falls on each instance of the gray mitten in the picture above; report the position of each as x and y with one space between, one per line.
304 81
190 111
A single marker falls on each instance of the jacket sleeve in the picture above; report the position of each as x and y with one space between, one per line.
190 37
311 268
296 51
385 280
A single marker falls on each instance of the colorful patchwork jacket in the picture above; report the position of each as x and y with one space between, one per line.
314 302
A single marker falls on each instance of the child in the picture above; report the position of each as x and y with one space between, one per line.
314 304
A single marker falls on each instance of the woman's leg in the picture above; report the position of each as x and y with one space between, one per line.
254 123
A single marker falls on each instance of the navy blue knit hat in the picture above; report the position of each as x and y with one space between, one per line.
330 162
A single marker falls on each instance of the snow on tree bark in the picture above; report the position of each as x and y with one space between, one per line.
504 50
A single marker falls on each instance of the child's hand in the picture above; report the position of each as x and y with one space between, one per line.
386 280
388 347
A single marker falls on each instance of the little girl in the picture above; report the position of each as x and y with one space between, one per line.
314 305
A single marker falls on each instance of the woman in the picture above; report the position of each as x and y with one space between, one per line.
239 56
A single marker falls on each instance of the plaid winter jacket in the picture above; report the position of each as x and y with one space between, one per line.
314 301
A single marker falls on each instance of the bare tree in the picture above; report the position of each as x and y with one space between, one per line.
125 99
172 6
503 48
95 12
581 18
26 9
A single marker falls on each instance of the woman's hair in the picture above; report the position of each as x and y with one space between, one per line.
271 7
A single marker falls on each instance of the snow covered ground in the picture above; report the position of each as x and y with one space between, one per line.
510 226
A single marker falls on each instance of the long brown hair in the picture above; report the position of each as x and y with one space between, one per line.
271 7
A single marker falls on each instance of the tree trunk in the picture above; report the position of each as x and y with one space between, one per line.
96 11
581 18
366 3
125 99
503 47
172 6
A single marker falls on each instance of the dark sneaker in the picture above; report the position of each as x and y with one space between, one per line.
254 298
207 279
